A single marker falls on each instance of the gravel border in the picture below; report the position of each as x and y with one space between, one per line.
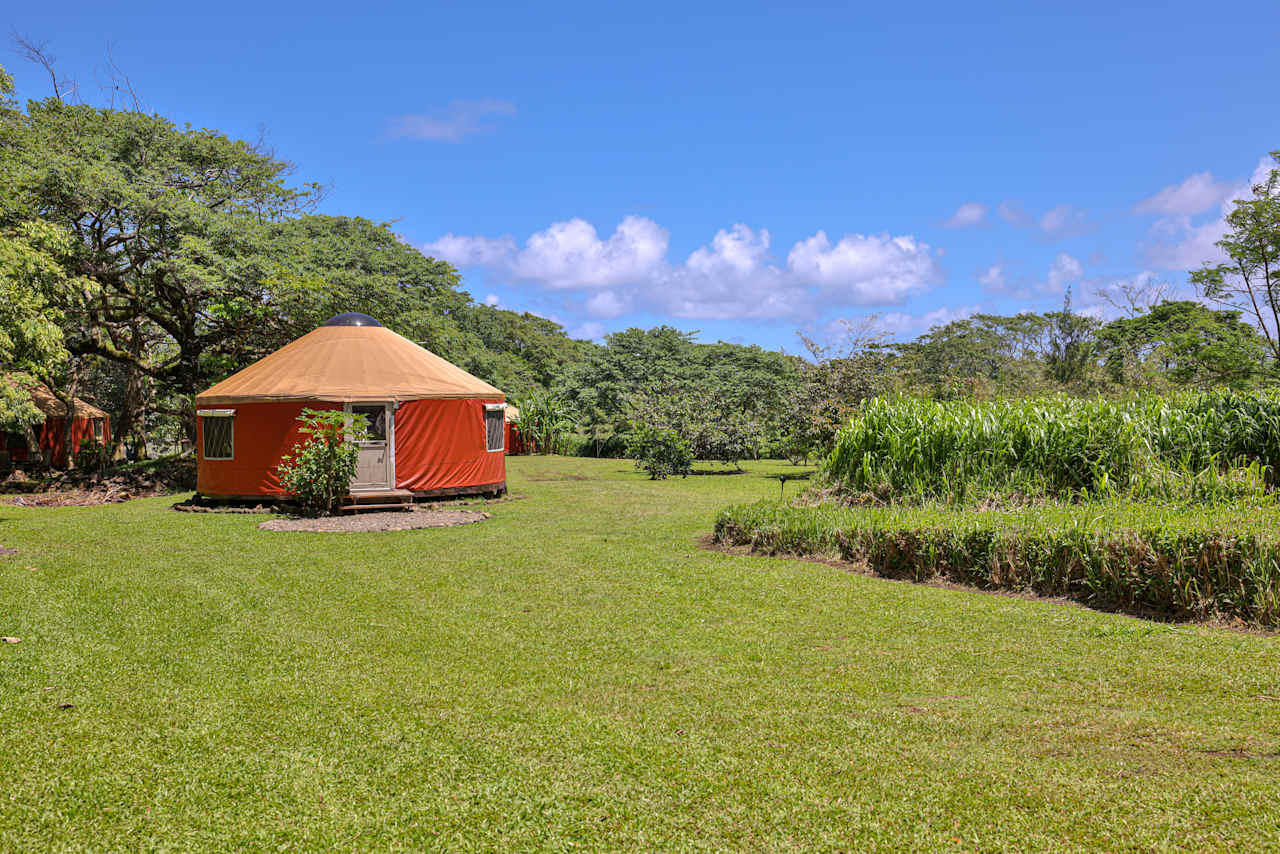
399 520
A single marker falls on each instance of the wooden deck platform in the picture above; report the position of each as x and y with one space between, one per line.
378 499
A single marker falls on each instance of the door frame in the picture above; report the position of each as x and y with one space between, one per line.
389 406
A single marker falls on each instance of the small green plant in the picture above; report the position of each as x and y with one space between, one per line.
660 451
91 456
318 472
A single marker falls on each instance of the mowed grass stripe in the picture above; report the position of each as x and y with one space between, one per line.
577 673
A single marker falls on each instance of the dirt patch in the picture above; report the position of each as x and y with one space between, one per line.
386 521
81 497
77 488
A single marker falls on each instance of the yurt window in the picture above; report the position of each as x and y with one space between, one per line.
376 418
219 433
494 428
97 430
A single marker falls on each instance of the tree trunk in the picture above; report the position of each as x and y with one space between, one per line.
33 444
132 423
69 419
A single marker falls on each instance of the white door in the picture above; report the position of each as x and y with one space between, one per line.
375 465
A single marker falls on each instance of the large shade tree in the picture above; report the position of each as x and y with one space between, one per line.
1181 343
1249 281
161 218
34 284
195 252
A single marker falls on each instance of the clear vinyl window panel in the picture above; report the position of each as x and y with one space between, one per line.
219 437
376 417
494 430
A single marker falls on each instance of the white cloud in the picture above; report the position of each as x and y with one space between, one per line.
993 278
464 251
491 299
460 120
571 255
607 304
1063 221
1065 271
968 214
902 324
1197 194
1057 222
568 255
734 276
1015 214
1177 242
865 269
1174 243
590 331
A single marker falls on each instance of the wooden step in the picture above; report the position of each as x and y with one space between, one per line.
356 508
378 499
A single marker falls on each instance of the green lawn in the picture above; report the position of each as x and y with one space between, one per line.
577 673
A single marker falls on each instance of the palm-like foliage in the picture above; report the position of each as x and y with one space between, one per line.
545 419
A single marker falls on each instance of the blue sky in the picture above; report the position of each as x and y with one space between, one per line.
745 170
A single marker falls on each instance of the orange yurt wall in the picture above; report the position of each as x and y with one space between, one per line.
261 435
440 444
512 439
53 437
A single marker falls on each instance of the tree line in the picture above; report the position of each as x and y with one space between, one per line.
141 261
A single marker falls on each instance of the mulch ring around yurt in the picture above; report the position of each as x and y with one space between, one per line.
388 521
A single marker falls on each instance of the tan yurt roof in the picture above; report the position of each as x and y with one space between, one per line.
512 414
48 403
352 358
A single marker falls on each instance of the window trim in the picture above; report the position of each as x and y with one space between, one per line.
207 414
500 410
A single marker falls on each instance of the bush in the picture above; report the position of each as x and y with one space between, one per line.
318 472
92 456
715 429
660 451
612 446
1147 560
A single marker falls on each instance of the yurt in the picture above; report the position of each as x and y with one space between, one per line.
88 424
434 428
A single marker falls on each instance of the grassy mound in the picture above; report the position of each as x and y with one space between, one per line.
1194 447
1222 562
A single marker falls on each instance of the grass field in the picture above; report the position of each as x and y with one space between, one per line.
575 673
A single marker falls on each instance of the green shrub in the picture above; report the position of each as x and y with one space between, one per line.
659 451
1149 560
318 472
92 456
1194 447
